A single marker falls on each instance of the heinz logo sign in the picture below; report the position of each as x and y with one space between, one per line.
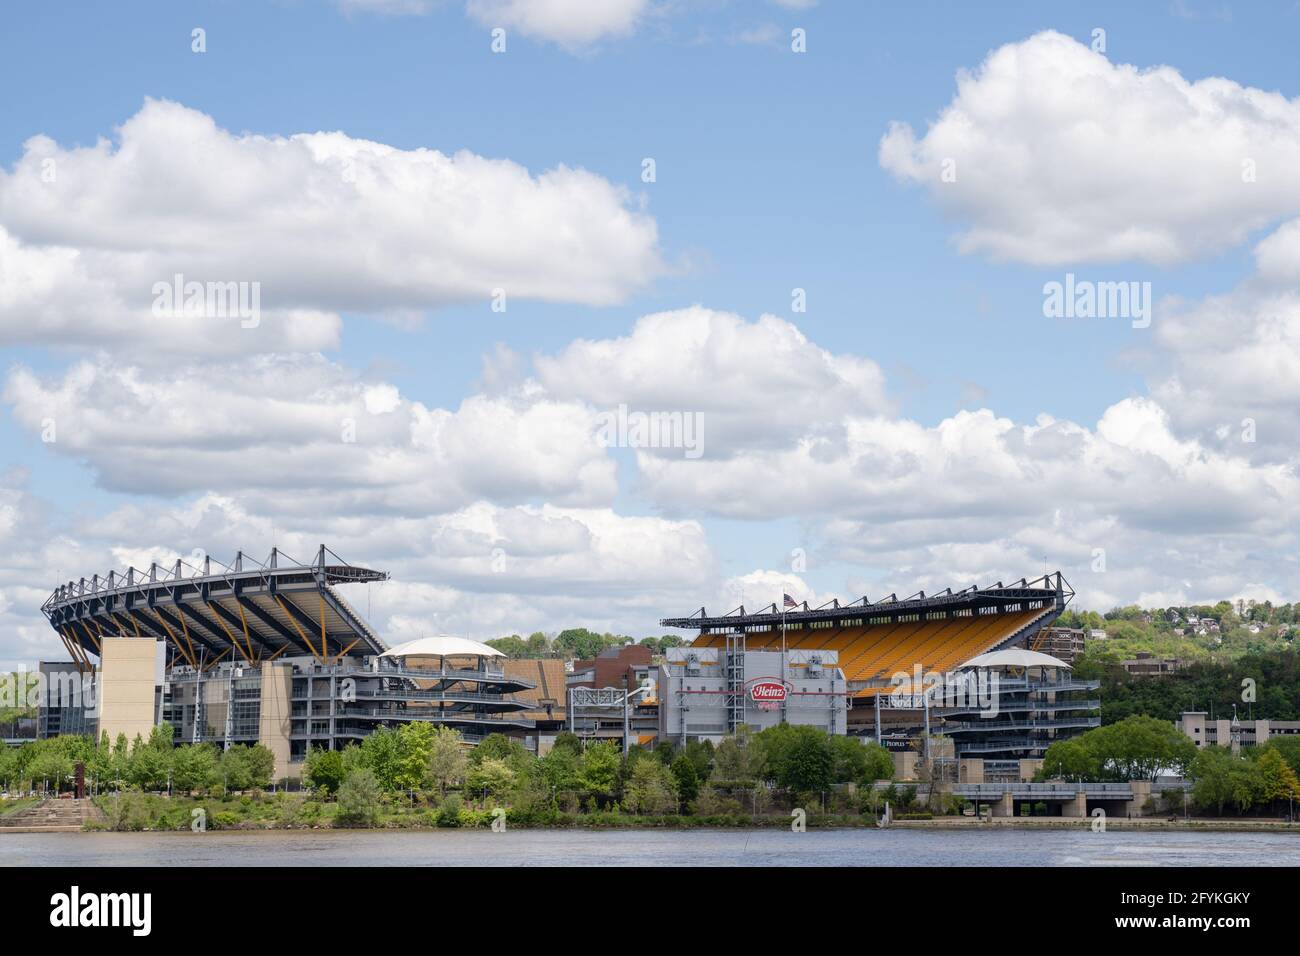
767 692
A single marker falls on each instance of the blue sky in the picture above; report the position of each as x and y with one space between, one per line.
769 178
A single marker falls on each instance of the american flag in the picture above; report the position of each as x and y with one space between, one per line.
789 601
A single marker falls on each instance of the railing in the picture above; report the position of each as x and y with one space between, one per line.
1016 708
1014 685
1000 744
466 695
485 676
441 716
1032 790
993 726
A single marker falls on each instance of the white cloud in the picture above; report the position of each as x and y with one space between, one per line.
307 434
34 554
976 466
482 571
321 222
1061 156
759 588
753 383
1226 369
569 23
79 298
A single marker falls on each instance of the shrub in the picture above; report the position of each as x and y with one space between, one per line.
449 812
359 799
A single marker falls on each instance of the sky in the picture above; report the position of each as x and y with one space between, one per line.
816 241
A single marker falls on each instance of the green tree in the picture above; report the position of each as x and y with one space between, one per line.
686 778
1135 748
323 769
561 769
797 758
512 646
1071 759
736 763
246 768
447 760
411 762
1277 780
194 768
1289 748
652 788
598 771
261 766
490 777
1211 774
565 740
359 797
50 767
150 766
498 746
381 752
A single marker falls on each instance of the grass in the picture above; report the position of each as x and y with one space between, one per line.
154 812
14 804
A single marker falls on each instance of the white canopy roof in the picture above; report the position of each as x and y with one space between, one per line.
442 645
1015 657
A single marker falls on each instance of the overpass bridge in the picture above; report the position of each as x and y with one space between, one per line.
1064 799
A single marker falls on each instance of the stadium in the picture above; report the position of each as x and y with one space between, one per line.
264 652
890 657
272 653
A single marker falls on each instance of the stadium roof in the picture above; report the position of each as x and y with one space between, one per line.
248 610
1050 587
1015 657
442 645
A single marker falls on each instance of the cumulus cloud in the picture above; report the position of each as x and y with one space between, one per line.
321 222
84 298
1225 364
481 571
569 23
34 555
976 465
1057 155
308 434
752 383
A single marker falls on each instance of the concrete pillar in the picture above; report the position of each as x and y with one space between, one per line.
274 722
1077 807
1141 794
1005 806
129 676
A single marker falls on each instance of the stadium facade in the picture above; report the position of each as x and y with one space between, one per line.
894 658
265 652
270 652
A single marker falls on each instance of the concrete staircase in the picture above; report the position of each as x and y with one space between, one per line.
51 814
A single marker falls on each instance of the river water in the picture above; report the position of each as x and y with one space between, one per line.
896 847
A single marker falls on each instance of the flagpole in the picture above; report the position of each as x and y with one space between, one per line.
783 681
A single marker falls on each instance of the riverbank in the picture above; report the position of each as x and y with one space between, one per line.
137 812
284 812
